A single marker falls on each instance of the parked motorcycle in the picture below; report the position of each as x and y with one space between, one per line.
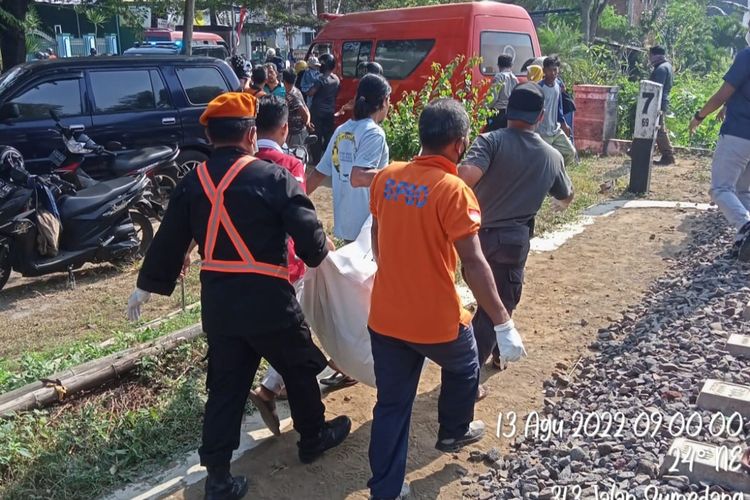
99 224
158 163
301 152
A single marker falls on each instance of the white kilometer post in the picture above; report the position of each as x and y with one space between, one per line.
646 126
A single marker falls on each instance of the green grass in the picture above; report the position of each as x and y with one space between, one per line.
586 185
110 439
32 366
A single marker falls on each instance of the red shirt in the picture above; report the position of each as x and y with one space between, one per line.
297 169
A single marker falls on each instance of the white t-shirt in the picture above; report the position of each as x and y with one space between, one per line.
359 143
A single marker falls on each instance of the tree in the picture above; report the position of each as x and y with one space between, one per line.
12 33
187 27
591 11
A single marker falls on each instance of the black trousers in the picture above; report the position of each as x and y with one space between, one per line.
232 363
325 126
506 250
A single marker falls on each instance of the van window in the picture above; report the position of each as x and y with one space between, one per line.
63 96
121 91
201 85
400 58
494 43
354 54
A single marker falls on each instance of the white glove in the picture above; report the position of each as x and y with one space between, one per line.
509 342
136 300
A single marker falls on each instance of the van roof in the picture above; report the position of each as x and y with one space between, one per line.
430 12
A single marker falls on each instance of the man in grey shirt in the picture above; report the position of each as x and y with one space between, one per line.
553 128
512 170
664 74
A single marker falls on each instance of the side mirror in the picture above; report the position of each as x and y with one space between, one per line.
54 114
10 111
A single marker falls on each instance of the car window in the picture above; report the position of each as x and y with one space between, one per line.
201 85
122 91
160 91
353 57
400 58
62 96
494 43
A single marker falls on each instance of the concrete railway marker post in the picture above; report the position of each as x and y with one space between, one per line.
724 397
707 463
644 135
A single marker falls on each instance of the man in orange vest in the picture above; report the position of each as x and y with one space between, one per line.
240 210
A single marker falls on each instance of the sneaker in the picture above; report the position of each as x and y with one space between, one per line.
474 434
405 490
226 488
333 434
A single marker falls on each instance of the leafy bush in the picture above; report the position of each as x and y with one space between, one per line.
455 80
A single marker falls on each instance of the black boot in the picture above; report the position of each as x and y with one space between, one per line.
220 485
333 434
665 160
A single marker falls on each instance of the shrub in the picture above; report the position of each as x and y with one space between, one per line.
455 80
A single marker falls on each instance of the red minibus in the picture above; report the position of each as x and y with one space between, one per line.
407 41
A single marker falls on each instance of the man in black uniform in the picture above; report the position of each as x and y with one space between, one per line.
664 74
239 210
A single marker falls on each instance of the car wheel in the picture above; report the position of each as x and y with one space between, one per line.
189 160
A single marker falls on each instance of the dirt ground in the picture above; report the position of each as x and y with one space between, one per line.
588 281
41 313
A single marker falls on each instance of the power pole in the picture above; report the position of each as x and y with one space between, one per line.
187 27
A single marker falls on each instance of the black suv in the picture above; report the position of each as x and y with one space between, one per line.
135 100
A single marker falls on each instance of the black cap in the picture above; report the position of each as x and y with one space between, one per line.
526 103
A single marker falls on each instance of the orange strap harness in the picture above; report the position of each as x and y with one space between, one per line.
219 217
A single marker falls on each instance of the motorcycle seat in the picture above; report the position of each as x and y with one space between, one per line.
88 199
128 161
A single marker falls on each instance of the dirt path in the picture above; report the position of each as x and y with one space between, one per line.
588 281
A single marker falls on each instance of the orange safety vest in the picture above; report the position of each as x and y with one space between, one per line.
220 217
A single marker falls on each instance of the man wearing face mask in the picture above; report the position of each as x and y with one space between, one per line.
240 210
512 171
423 218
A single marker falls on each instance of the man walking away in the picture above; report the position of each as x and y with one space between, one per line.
512 171
424 218
664 74
239 210
502 85
730 171
553 128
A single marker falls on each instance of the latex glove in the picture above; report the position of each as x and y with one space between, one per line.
136 300
509 342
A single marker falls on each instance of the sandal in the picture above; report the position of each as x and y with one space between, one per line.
482 392
267 410
498 363
338 380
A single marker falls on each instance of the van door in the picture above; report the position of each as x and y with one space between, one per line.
132 106
354 55
31 132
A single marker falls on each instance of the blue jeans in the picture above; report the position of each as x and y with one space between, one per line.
730 179
398 366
